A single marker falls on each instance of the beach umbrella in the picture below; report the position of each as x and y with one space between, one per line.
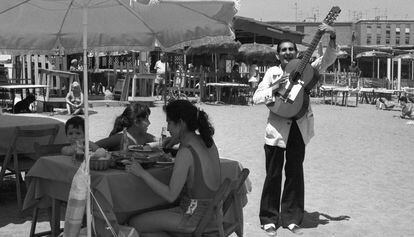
45 26
214 48
374 55
225 47
409 57
260 53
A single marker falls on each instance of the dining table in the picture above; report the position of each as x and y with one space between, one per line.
8 123
119 194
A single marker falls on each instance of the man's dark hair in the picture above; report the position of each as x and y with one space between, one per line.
76 122
286 41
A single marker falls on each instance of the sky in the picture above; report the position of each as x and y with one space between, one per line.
309 10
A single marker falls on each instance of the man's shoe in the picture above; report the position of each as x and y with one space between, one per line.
270 229
295 229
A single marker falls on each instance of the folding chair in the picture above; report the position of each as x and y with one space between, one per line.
42 150
17 163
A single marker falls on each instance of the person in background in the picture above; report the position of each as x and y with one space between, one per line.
196 174
254 78
74 99
383 103
285 141
407 109
353 68
75 131
235 74
254 75
74 65
135 119
160 67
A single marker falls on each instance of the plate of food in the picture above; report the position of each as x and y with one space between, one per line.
140 148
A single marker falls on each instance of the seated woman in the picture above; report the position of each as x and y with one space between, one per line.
407 109
196 172
74 99
135 119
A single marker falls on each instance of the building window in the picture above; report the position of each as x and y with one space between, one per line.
300 28
378 29
369 30
407 34
387 34
369 38
397 30
397 40
378 39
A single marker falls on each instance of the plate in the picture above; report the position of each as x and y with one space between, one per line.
140 148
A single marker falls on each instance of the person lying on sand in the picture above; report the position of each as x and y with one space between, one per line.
383 103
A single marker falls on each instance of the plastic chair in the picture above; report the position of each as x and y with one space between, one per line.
17 163
42 150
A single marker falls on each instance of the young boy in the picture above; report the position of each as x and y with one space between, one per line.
75 131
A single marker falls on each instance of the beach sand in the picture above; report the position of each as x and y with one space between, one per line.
359 165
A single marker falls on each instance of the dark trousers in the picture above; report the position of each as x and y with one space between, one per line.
292 203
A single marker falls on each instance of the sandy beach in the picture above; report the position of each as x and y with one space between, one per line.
358 165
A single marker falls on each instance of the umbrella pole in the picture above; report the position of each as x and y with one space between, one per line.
86 111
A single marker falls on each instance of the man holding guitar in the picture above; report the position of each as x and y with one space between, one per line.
286 139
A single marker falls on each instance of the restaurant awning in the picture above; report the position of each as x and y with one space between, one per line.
248 30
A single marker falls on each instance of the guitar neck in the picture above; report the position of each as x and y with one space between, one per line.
309 51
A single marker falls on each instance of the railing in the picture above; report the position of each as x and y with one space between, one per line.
58 81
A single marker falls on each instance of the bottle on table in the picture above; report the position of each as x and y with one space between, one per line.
163 136
79 154
124 141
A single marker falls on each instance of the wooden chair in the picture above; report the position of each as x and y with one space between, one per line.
214 208
17 163
226 196
42 150
233 199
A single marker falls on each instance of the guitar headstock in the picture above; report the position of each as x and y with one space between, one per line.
332 15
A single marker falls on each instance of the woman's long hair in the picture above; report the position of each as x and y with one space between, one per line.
193 117
132 113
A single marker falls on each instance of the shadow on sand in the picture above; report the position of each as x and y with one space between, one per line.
313 219
9 213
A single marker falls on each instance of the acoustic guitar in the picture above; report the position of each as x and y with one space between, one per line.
292 99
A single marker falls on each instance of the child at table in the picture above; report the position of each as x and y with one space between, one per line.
75 131
135 119
196 172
